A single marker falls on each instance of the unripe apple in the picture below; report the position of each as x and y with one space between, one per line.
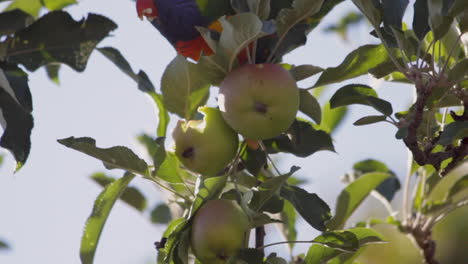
259 101
219 230
205 146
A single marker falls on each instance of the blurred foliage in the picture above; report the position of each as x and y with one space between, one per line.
450 236
345 24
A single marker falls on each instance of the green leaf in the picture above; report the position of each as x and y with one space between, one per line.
274 259
438 22
303 72
463 21
393 11
407 43
459 71
161 214
366 235
301 139
12 21
440 188
155 148
384 69
260 219
397 77
119 60
238 32
318 254
183 87
96 221
163 115
53 5
353 195
172 237
457 7
269 188
332 118
370 165
250 256
296 37
289 217
459 186
421 19
274 205
144 84
114 157
367 120
369 9
259 7
388 187
56 37
360 94
310 106
357 63
254 160
206 189
53 73
453 131
352 18
170 169
16 108
213 67
342 240
31 7
131 196
300 10
309 205
4 245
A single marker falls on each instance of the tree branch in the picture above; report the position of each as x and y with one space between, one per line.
426 244
260 237
424 156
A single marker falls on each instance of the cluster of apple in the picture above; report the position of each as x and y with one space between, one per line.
257 101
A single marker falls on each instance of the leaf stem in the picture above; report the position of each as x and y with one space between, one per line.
452 49
384 202
262 146
390 54
286 242
166 188
405 204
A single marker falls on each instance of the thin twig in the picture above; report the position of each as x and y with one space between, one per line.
260 237
262 146
384 202
287 242
405 205
452 49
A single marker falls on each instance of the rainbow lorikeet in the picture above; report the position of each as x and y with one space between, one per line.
177 21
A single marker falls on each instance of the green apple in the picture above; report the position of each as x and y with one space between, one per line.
259 101
205 146
219 229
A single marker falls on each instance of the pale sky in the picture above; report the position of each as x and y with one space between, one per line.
45 205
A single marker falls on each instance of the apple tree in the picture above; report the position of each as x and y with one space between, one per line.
223 184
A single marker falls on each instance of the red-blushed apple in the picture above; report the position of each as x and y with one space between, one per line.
219 230
205 146
259 101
